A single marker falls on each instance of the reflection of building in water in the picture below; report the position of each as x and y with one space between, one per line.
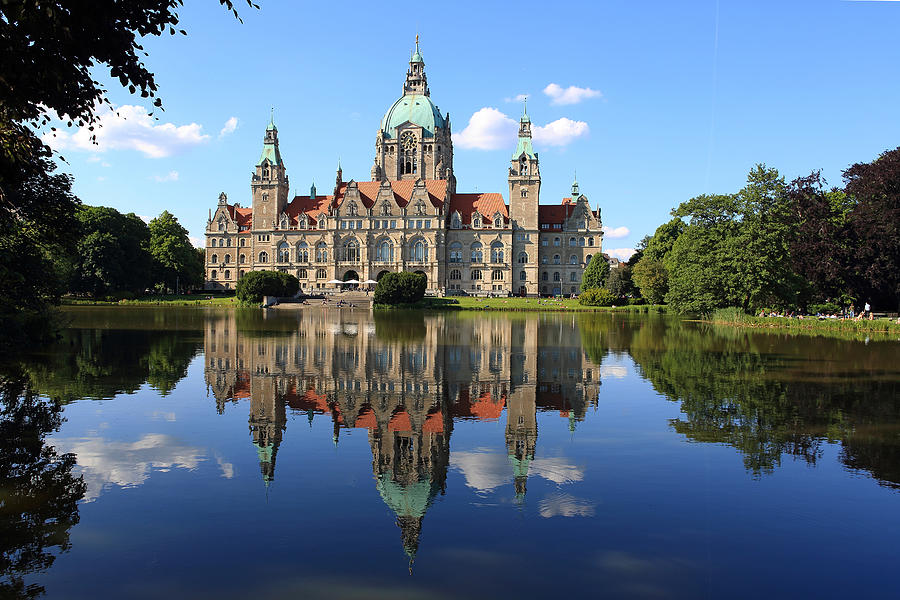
405 381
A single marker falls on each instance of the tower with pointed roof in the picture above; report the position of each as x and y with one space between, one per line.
524 195
413 141
269 184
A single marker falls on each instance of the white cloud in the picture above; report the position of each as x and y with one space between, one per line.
490 129
485 470
230 125
565 505
170 176
93 159
615 232
128 464
560 132
129 127
197 242
614 371
517 98
570 95
621 253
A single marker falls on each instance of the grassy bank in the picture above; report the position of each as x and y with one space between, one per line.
737 318
160 300
521 304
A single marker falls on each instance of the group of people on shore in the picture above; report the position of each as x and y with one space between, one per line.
844 315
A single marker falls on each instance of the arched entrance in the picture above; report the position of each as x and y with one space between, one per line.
423 273
380 275
351 274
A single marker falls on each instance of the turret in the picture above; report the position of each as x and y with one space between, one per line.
524 179
269 185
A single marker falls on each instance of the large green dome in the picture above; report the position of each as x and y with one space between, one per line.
416 109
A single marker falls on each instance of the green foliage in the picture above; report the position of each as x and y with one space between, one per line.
596 273
400 288
175 260
734 252
619 281
597 297
660 245
825 308
651 277
111 252
254 285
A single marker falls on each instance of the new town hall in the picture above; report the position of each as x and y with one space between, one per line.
408 217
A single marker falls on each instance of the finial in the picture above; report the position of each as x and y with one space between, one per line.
525 106
417 42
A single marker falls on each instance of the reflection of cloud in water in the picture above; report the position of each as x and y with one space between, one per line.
565 505
635 576
485 470
613 371
127 464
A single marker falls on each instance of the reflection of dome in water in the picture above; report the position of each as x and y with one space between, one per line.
409 503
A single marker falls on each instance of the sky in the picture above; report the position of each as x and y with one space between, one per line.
650 103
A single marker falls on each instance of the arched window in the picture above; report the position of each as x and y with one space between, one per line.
214 259
556 259
227 274
556 276
321 252
572 241
476 274
544 289
573 260
455 274
284 252
455 222
455 252
212 242
524 193
350 250
243 242
419 251
263 257
590 241
320 274
228 243
498 222
221 225
213 275
544 276
587 259
302 252
301 274
556 241
573 276
476 252
241 259
384 251
240 273
227 259
476 220
522 275
497 251
523 167
497 275
523 258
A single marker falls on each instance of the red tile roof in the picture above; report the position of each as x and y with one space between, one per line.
557 214
400 421
368 192
366 419
313 207
487 206
242 216
434 423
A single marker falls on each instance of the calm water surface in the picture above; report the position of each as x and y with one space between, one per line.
327 454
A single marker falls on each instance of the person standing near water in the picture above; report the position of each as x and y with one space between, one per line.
867 310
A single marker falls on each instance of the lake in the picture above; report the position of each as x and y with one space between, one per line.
326 453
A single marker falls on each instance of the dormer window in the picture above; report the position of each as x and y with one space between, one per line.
498 221
476 220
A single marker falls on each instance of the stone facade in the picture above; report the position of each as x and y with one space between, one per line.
409 216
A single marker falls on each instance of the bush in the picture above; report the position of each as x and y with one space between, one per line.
254 285
400 288
826 308
597 297
636 301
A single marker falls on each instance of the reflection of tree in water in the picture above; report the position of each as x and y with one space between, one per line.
38 493
101 363
769 395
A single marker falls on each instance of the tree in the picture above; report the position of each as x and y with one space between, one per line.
660 245
254 285
596 272
874 223
400 288
651 278
111 254
619 281
174 257
734 252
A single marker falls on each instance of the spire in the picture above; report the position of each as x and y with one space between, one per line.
525 118
270 143
417 57
575 192
312 191
416 82
271 125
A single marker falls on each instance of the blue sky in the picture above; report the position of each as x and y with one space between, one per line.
652 102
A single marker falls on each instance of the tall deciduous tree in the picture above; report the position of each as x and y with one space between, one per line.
596 273
875 225
174 257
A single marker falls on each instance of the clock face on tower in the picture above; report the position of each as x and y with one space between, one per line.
408 140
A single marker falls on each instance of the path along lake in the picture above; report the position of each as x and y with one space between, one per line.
325 453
